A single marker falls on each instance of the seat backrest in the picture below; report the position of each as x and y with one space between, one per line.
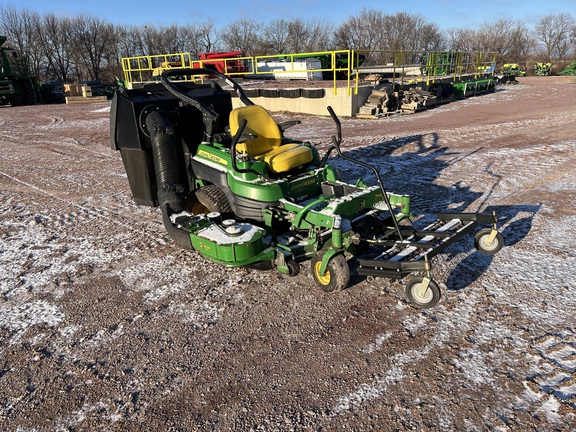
261 124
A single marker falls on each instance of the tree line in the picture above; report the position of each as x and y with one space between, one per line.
85 47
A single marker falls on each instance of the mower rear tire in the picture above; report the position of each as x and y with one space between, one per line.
337 273
422 300
208 199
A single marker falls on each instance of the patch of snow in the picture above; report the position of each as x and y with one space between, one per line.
549 409
21 316
161 279
448 323
378 343
102 110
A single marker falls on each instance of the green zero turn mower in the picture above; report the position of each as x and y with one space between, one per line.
231 186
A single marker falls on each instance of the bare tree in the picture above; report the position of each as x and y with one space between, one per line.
362 32
207 36
319 35
555 33
401 32
192 41
128 41
380 35
520 45
245 36
276 36
185 38
507 38
494 36
149 40
19 27
152 40
165 39
54 35
461 39
308 35
92 36
431 38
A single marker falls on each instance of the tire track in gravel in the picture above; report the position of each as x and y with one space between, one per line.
66 143
77 236
546 167
552 385
54 121
61 146
142 232
491 132
448 324
56 250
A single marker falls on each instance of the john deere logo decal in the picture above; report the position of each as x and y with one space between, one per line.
302 184
212 157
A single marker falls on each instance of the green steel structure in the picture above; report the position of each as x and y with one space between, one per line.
15 88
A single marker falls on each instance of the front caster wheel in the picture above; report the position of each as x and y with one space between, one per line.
421 294
487 242
293 268
337 273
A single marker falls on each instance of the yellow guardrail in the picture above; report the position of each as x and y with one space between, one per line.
403 67
336 64
413 67
141 68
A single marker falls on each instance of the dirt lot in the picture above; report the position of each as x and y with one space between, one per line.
105 324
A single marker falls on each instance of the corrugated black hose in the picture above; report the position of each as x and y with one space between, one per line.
169 173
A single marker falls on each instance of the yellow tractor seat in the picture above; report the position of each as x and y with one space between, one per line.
267 145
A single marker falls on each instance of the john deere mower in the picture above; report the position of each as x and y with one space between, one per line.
234 188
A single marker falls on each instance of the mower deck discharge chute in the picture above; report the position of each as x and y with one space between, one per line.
233 187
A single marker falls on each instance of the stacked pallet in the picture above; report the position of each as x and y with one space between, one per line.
81 93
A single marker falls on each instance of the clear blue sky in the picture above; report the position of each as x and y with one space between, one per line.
446 14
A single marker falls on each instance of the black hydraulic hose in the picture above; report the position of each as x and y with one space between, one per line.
336 142
168 172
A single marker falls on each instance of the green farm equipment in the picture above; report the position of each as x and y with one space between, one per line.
338 64
476 87
569 70
438 63
234 188
509 73
15 88
512 69
542 69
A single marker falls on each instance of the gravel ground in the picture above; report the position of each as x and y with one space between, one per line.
105 324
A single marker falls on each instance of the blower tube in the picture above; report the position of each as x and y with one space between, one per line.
168 171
